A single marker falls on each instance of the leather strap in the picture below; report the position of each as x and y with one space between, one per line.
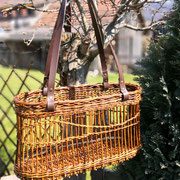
52 59
121 77
100 41
53 55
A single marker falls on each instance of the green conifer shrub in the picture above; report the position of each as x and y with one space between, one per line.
159 76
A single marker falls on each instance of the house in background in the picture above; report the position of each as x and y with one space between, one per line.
18 14
21 25
17 30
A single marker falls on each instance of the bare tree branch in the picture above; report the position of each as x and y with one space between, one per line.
83 17
119 21
115 15
156 11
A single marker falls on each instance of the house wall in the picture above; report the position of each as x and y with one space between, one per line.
18 53
129 48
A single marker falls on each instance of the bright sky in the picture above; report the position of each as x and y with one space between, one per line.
166 8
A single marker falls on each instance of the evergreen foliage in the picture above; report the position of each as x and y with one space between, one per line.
159 77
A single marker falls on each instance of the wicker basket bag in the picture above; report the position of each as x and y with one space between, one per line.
68 130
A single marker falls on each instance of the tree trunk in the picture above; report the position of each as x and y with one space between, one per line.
73 68
74 61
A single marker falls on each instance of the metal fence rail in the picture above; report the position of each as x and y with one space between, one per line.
8 117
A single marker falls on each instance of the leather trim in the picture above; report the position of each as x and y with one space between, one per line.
100 41
52 59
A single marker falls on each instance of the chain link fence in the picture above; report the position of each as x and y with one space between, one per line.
12 82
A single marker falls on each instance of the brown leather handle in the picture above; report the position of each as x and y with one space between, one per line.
53 54
121 76
100 41
52 59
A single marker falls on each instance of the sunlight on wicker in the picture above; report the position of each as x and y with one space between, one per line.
90 128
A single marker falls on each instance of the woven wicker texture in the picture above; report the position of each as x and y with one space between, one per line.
90 128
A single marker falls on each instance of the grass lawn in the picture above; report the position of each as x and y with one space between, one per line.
113 77
14 87
7 92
